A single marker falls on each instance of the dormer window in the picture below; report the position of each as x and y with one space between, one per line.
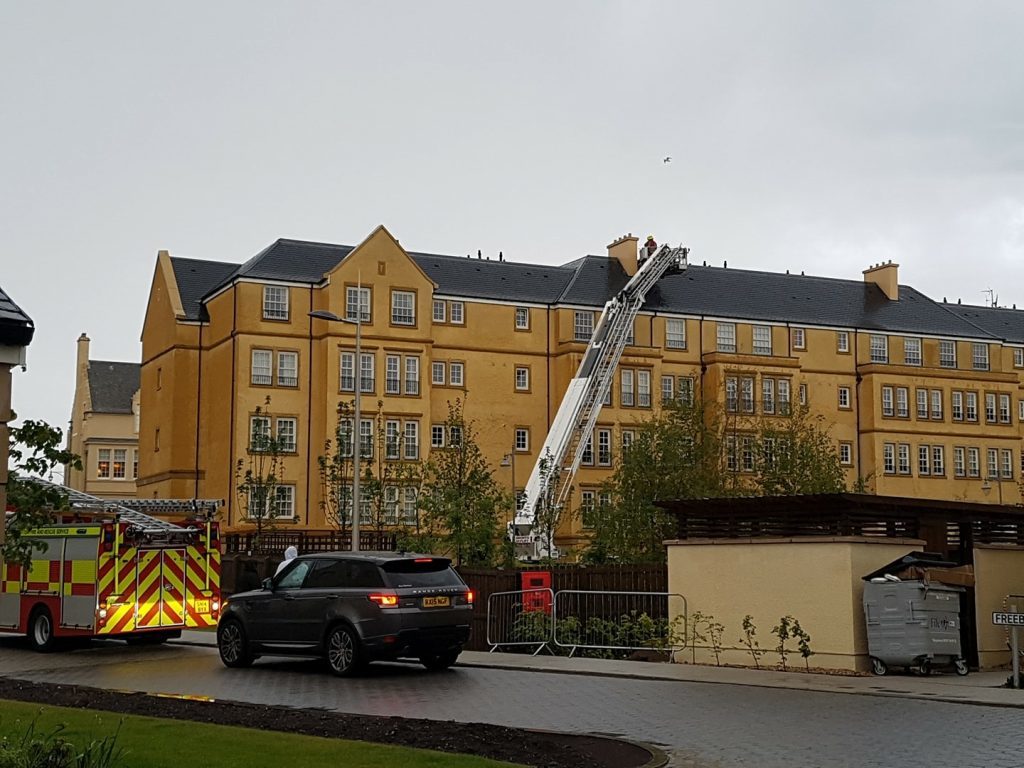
275 302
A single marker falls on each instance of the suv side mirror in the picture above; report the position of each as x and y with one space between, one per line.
268 584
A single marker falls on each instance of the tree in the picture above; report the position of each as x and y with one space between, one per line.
259 475
335 468
695 449
35 451
387 478
678 453
460 497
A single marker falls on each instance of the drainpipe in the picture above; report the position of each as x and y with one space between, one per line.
309 408
234 397
199 409
856 396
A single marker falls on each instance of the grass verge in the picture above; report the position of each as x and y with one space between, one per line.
150 742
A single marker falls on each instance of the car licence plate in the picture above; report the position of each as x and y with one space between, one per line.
437 602
201 606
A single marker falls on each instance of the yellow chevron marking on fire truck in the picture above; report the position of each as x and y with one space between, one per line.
173 593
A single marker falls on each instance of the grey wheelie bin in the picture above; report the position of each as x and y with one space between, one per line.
913 625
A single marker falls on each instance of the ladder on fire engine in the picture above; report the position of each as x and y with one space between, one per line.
570 432
146 525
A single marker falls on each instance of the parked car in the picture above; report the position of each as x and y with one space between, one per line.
351 608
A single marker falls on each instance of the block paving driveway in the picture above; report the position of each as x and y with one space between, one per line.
703 725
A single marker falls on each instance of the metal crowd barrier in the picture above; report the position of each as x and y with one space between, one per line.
522 617
581 619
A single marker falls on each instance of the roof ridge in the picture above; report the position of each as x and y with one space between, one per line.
320 243
114 362
203 261
417 254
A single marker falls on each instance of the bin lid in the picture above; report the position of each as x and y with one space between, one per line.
923 559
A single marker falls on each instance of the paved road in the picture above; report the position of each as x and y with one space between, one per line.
719 726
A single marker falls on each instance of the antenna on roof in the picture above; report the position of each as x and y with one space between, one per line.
479 254
501 256
991 298
725 263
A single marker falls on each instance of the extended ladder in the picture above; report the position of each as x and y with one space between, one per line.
140 522
566 441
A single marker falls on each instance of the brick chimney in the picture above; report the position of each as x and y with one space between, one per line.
624 250
885 277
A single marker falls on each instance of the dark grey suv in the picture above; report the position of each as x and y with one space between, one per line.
351 608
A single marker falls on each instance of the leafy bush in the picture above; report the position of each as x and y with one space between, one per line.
628 631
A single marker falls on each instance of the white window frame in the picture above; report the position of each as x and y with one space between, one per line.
725 337
956 405
903 459
973 462
604 447
412 375
265 375
438 367
287 376
357 303
522 439
522 318
1018 357
437 435
782 389
675 333
879 348
120 458
902 403
668 386
990 408
582 325
768 395
1006 463
457 312
522 378
392 439
643 388
924 460
347 360
992 463
799 338
844 398
979 357
411 440
762 340
747 394
263 431
275 302
842 341
912 351
367 372
889 458
938 461
626 393
947 353
846 454
888 407
456 374
937 398
971 406
959 461
1004 408
439 316
403 307
288 425
393 375
284 501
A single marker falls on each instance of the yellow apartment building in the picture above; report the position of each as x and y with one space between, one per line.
924 398
104 426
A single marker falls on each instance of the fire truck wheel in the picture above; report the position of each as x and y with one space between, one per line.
232 644
343 656
40 630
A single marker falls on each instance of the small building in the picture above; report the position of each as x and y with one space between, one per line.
104 427
806 556
16 330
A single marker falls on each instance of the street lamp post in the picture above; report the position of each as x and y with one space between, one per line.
509 460
357 370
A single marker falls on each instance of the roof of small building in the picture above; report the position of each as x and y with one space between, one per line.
16 328
592 280
112 385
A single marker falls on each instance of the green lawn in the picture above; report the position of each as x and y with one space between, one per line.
158 743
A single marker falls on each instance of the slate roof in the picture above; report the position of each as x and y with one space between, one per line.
1006 324
195 279
112 385
16 328
592 280
505 280
774 297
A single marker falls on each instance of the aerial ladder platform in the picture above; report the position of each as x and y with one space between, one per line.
547 489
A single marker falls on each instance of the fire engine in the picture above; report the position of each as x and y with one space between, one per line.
570 433
108 569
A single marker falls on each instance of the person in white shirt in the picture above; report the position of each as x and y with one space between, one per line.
289 554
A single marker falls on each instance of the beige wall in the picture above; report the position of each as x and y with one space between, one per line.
815 580
998 573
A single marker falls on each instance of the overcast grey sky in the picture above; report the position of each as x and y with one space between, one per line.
817 136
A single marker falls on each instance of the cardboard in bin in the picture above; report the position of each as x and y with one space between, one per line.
927 567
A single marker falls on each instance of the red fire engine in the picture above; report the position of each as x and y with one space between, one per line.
108 569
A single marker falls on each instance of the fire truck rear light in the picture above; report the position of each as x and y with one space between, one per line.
216 606
103 613
384 601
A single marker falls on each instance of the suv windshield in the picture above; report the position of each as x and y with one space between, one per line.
420 573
